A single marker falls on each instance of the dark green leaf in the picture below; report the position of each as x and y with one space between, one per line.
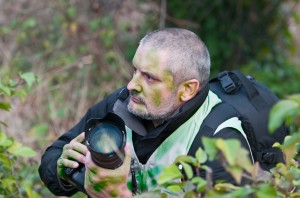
5 106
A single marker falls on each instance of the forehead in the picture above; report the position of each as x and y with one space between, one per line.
150 58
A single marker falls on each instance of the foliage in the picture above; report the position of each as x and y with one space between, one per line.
13 182
281 181
252 35
81 50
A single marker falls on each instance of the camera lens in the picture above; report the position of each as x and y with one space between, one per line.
106 139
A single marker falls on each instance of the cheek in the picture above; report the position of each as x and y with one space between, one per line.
156 98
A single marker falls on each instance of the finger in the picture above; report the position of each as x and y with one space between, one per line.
80 137
68 163
77 146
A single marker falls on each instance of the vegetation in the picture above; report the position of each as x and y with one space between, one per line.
81 50
281 181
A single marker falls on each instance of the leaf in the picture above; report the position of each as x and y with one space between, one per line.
289 147
29 78
201 155
186 158
229 149
5 161
5 90
174 188
9 183
17 149
5 106
21 93
4 140
266 191
30 192
225 187
169 173
200 183
29 23
23 152
280 112
39 130
210 147
71 11
187 170
236 172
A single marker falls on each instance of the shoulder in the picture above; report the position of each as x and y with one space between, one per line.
106 104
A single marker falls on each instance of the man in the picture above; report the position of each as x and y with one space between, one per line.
163 107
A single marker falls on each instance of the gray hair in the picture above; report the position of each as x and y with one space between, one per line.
189 57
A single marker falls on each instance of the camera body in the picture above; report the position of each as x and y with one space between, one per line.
105 138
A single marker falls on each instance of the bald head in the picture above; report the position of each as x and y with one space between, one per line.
188 55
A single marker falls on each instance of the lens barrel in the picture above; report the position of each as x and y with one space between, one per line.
106 139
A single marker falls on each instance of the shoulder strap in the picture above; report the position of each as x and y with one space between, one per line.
211 123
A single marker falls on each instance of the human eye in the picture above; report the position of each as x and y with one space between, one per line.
150 78
133 71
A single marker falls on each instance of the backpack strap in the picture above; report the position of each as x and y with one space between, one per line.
231 82
255 98
211 123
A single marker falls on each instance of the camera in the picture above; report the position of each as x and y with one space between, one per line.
105 139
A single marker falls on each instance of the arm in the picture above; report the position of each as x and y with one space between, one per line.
48 167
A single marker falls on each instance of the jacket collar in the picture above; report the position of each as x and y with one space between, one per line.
169 125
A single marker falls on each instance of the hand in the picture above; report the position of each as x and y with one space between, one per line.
73 153
101 182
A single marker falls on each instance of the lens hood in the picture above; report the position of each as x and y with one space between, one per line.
105 139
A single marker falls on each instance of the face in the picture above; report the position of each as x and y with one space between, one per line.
153 94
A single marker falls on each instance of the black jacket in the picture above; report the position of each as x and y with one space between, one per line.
145 140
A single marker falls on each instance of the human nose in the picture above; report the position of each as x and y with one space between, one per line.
133 84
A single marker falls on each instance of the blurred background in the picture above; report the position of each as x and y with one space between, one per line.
82 50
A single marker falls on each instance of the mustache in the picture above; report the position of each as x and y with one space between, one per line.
136 95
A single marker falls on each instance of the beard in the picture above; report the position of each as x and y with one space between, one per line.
149 111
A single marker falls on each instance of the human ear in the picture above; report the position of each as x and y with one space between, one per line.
188 90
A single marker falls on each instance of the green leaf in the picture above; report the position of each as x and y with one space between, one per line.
5 106
30 192
169 173
21 93
201 155
236 172
5 90
229 149
200 183
9 183
280 112
225 187
241 192
29 78
210 147
266 191
29 23
71 11
187 169
23 151
17 149
186 158
39 130
5 161
174 188
4 140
